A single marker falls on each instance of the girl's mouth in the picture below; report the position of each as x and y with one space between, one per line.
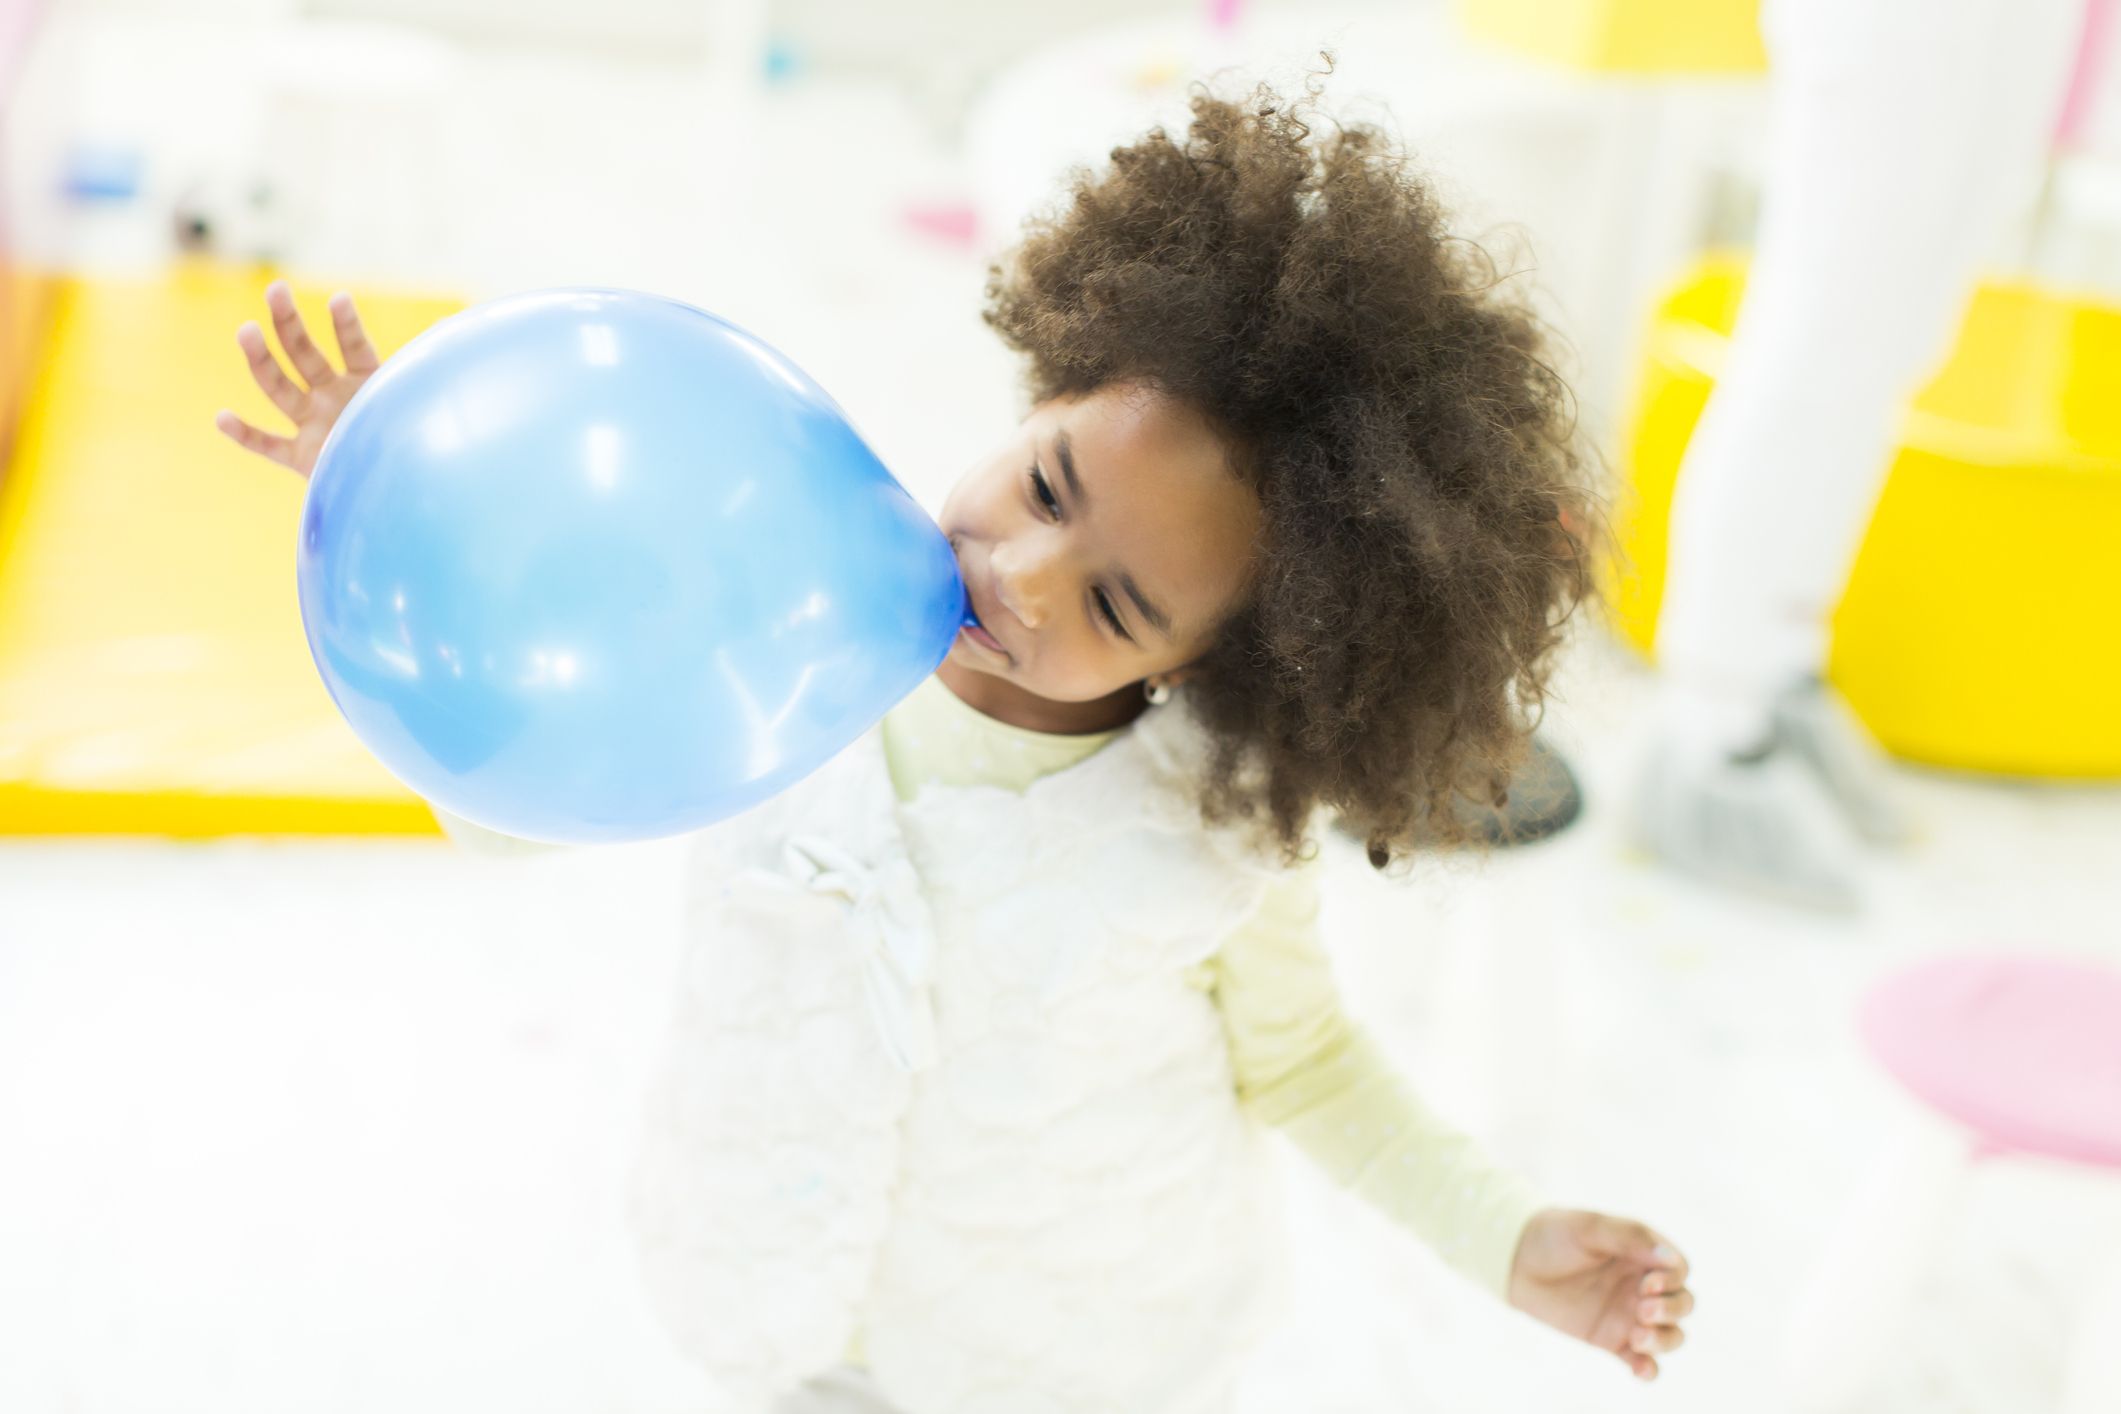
973 630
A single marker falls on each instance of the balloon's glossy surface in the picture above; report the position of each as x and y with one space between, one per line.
590 565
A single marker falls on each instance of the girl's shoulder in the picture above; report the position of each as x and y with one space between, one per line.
1154 777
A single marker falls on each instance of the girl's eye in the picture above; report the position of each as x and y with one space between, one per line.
1110 614
1044 493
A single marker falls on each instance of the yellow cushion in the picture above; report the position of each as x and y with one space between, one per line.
153 672
1626 36
1981 627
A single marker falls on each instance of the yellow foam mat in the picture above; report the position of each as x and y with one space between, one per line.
153 674
1981 626
1626 36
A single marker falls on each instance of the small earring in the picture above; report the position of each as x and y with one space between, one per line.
1158 693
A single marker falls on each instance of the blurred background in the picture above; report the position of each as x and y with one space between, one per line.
300 1108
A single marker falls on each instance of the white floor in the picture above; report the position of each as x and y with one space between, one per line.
340 1126
344 1126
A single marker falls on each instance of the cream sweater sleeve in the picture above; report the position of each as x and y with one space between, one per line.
1302 1065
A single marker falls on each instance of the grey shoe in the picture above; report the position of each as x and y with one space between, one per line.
1755 821
1544 800
1812 720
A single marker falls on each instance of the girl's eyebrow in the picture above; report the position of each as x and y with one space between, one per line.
1158 619
1064 453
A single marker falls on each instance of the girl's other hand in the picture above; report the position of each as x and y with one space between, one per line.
314 409
1604 1280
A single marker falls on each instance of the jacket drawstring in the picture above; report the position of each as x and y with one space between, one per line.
887 918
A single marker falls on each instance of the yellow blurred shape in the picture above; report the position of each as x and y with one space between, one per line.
1683 355
1981 627
154 678
1626 36
25 314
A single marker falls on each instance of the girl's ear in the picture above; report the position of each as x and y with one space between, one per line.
1157 687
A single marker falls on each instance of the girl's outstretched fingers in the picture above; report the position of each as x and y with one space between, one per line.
355 351
265 444
312 409
272 380
302 352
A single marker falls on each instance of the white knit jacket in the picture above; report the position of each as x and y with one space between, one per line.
940 1091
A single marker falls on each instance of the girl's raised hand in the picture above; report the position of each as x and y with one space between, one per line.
315 408
1604 1280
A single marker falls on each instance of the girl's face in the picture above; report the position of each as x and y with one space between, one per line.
1102 544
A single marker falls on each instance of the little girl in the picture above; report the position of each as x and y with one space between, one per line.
982 1022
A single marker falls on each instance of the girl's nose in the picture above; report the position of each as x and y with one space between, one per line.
1024 572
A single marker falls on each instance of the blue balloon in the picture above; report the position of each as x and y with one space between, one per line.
591 565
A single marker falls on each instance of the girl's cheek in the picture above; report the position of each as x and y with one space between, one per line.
1073 670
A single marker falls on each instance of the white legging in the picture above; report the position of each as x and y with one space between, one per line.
1904 136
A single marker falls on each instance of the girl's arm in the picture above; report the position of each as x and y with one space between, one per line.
1301 1064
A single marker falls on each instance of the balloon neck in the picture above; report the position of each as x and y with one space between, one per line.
971 619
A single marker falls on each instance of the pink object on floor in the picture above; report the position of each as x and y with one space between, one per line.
2024 1051
1222 15
954 222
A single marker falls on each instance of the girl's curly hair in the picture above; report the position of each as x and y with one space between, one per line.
1411 448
